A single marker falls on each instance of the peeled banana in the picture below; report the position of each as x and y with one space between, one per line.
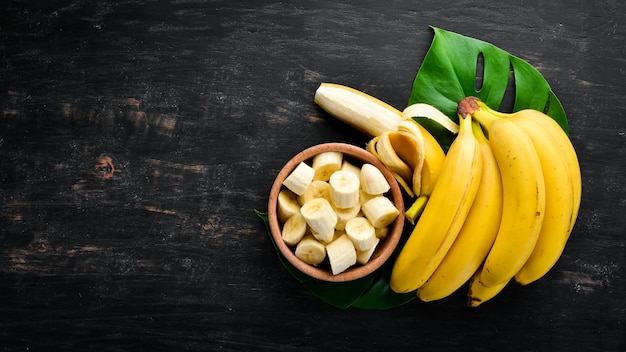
359 110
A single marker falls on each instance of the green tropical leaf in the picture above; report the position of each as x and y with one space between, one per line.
448 74
444 136
379 295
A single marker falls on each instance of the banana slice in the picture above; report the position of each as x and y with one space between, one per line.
338 233
381 232
364 197
344 189
372 180
348 166
325 237
317 189
300 178
361 232
321 217
294 229
287 205
380 211
362 257
325 164
310 250
345 215
341 254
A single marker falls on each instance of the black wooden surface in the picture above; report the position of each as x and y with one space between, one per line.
137 138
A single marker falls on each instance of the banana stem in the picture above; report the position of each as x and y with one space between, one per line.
415 210
467 106
478 131
478 110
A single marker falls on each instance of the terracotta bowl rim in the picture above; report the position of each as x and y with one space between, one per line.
388 244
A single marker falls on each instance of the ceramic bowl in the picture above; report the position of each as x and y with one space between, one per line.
358 156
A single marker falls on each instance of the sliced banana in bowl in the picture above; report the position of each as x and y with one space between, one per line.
314 197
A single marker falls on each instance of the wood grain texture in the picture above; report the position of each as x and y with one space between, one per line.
137 138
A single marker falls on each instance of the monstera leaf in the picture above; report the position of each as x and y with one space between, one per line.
451 71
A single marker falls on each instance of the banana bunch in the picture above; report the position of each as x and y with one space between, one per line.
498 207
405 147
503 208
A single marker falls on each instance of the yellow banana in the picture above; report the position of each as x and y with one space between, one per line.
561 139
563 190
477 234
416 209
523 189
479 293
443 215
559 213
